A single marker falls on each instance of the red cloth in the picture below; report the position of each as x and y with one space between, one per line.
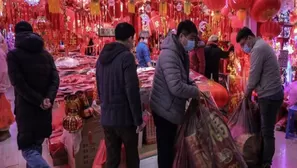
197 60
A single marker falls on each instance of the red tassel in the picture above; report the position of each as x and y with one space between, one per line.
117 9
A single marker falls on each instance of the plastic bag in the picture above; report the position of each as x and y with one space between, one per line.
245 129
6 115
204 139
100 159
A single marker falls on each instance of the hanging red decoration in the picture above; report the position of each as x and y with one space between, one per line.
270 29
263 10
215 5
225 11
293 18
117 9
240 4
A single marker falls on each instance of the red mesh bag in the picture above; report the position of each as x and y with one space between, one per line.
245 129
204 139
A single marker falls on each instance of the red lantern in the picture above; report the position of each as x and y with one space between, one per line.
215 5
270 29
240 4
263 10
72 122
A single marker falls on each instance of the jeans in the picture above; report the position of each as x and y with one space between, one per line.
33 156
114 137
166 136
268 109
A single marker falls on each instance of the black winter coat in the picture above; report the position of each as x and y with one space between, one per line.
213 55
118 87
34 76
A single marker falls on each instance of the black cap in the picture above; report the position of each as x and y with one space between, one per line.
23 26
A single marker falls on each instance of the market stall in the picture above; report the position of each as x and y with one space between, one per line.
69 26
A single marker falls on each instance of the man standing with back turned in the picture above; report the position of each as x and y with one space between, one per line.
35 79
118 88
266 80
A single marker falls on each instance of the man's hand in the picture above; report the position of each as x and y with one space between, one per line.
46 104
140 128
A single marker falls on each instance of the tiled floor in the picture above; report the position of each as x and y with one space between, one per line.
285 156
10 157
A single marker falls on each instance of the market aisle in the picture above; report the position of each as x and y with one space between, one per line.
10 157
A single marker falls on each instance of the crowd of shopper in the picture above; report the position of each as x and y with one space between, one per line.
30 69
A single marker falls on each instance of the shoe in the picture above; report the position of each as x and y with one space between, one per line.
4 135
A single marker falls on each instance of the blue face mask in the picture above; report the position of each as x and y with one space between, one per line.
246 48
190 46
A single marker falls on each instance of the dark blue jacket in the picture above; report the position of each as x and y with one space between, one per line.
118 87
143 54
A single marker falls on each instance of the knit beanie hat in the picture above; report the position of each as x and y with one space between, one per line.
23 26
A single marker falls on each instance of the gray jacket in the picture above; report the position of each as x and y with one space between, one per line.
171 86
264 75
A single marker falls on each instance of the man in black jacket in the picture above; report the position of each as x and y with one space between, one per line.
213 54
34 76
118 88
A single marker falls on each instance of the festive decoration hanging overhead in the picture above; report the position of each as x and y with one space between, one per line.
241 6
263 10
270 29
215 5
54 6
32 2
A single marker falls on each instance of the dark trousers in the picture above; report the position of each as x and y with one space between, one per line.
166 135
268 110
114 138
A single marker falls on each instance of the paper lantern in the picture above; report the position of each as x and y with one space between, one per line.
72 122
263 10
215 5
219 93
270 29
240 4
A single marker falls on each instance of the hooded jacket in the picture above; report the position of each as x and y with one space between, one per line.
171 85
34 76
118 87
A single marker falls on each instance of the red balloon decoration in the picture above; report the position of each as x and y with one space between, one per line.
215 5
263 10
270 29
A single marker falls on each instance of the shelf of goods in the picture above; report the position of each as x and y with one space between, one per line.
76 124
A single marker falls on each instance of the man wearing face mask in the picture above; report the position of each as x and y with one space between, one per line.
143 53
265 79
118 89
213 54
172 88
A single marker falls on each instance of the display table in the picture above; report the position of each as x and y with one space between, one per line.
82 145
